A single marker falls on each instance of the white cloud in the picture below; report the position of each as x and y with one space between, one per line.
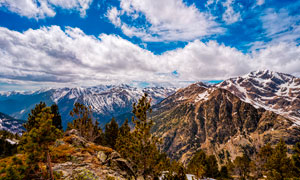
168 20
230 16
51 56
280 26
260 2
40 9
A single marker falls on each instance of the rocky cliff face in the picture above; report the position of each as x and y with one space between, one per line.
217 121
274 91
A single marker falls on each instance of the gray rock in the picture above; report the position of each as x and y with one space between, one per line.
102 156
72 132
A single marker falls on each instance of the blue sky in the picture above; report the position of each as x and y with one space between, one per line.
172 42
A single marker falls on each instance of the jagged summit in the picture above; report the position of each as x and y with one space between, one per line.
274 91
107 101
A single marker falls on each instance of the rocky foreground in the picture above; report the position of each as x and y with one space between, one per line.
75 157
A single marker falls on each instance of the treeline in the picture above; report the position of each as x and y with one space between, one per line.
269 163
43 128
137 145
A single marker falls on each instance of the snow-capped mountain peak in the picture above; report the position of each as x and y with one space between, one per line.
270 90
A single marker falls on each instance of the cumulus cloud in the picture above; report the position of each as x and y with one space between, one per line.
40 9
55 57
166 20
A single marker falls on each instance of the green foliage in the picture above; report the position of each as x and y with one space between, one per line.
242 166
176 171
278 164
83 122
198 164
111 133
31 121
140 146
15 170
56 120
203 165
212 167
124 129
224 173
296 158
6 148
36 141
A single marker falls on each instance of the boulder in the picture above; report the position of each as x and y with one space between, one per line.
101 156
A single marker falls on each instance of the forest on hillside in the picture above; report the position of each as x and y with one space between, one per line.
44 143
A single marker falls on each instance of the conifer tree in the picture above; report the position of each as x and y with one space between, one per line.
259 165
278 164
141 146
198 164
296 158
56 120
83 122
31 121
111 133
224 174
124 129
212 167
36 141
242 166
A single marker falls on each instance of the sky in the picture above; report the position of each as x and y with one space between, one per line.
64 43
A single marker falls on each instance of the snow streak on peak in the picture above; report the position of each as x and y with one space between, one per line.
274 91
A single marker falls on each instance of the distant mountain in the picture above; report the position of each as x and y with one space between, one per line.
106 101
274 91
11 124
236 116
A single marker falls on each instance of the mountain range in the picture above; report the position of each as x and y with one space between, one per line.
11 124
236 116
106 101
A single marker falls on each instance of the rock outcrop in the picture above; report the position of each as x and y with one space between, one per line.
74 157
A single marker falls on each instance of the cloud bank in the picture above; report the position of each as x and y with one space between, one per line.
40 9
166 20
54 57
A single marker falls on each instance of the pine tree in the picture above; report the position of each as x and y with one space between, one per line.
141 146
242 166
31 121
296 159
56 120
198 164
212 167
124 129
278 164
111 133
83 122
259 165
36 141
224 174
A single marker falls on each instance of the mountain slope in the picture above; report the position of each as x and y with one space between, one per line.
105 101
277 92
217 121
11 124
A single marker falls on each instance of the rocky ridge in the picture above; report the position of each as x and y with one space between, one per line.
74 157
273 91
105 101
214 119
